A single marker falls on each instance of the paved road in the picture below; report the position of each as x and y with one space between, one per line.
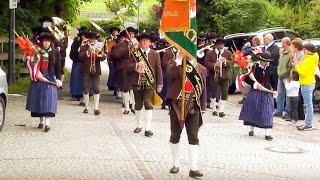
84 146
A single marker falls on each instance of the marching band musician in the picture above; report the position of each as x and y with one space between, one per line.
43 95
112 80
203 48
76 79
90 55
121 52
195 106
219 62
143 92
212 38
168 57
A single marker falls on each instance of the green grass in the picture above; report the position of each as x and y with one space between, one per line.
98 6
20 86
95 6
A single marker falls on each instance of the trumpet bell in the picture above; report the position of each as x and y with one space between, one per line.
97 27
200 54
58 21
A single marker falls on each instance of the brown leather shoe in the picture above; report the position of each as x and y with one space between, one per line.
242 100
85 111
174 170
221 114
148 133
40 126
97 112
195 174
215 113
137 130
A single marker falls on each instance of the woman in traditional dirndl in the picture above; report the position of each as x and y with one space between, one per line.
43 93
76 76
257 110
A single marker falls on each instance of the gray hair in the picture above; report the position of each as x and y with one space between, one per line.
269 36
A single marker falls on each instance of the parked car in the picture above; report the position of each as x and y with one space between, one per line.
3 97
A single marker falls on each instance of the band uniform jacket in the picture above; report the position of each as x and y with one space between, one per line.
174 79
211 59
168 57
155 63
120 54
74 51
86 61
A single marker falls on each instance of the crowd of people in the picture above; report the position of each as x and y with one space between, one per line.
279 82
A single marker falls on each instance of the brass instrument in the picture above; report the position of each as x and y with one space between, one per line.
164 49
93 54
200 52
218 70
57 29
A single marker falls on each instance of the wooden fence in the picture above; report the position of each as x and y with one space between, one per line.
20 68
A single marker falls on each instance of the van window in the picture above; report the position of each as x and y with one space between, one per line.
292 35
279 35
237 41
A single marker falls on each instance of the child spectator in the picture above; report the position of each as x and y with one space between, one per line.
292 89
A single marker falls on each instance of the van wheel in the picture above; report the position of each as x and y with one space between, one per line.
2 112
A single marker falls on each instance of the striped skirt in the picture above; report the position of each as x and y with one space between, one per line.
42 98
76 81
258 109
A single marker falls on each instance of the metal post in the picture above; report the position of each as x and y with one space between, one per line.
138 15
11 53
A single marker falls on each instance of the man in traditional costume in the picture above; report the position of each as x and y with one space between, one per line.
144 68
195 105
219 62
91 53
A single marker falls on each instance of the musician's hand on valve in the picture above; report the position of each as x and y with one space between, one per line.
217 64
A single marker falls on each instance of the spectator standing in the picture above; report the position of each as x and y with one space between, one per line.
292 90
307 70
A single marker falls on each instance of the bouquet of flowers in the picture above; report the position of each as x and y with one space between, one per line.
241 61
33 54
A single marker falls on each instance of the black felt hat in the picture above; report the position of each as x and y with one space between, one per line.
82 30
212 35
46 35
202 37
45 19
90 34
114 29
144 36
162 42
122 34
220 40
132 29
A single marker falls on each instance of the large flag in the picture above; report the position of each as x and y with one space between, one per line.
179 25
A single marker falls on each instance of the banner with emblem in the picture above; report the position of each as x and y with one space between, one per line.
183 39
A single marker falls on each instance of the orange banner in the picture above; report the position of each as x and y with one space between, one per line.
175 16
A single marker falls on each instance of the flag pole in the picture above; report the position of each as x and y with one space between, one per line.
183 92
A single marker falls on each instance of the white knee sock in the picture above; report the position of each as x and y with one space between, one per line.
194 155
139 118
251 128
213 104
148 119
268 131
132 101
222 104
47 121
175 150
86 100
126 100
96 99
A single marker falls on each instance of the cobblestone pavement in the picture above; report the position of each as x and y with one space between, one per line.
84 146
